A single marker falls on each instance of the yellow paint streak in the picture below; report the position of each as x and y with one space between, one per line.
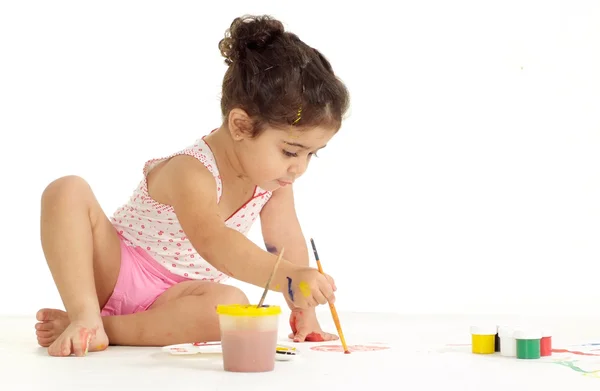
304 288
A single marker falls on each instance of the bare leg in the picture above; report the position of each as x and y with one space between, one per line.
82 250
184 313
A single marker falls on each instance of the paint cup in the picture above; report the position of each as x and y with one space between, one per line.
497 340
528 344
546 344
508 344
249 337
483 339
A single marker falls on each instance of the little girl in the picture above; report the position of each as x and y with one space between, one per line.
150 274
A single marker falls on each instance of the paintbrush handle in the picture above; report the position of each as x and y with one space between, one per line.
334 314
264 295
320 267
336 320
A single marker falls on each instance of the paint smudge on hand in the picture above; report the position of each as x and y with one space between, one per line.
290 291
314 337
311 337
304 288
278 288
293 319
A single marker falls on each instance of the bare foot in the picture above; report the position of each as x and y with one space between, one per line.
63 337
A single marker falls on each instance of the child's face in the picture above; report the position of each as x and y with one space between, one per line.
276 158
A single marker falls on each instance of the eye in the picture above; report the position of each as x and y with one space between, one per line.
289 154
313 154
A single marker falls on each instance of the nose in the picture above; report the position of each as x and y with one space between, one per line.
298 167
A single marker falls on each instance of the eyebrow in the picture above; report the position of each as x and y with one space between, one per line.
302 146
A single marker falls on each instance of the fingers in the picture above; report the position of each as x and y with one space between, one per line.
300 337
330 337
331 281
326 293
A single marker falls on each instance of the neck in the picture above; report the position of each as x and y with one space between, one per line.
223 148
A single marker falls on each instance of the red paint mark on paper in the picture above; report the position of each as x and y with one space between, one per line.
574 352
351 348
206 343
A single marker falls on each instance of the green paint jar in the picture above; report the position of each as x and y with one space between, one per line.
528 344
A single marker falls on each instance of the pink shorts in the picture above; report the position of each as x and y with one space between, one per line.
141 280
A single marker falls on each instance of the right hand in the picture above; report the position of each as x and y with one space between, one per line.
309 288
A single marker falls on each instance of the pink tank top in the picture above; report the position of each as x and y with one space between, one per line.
154 227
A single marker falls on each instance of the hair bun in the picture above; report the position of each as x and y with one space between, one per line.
249 33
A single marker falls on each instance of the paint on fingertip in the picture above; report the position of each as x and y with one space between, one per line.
314 337
290 291
304 288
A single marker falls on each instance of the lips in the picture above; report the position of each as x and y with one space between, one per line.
283 183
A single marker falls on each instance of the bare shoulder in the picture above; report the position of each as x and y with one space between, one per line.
189 187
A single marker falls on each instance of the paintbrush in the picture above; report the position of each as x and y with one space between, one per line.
262 299
334 314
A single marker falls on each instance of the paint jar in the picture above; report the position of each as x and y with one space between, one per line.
497 340
483 339
528 344
546 344
249 337
508 344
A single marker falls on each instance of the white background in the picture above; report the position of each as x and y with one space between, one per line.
465 179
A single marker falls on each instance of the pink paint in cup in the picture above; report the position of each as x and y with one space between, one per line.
248 337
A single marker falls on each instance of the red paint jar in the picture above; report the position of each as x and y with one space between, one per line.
546 344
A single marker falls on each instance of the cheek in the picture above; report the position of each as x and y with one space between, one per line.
265 165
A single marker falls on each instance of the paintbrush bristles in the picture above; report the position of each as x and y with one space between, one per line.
264 295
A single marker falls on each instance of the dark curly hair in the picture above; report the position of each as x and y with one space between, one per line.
272 74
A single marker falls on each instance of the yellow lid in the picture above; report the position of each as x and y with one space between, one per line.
248 310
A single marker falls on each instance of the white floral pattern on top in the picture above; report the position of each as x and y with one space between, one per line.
154 227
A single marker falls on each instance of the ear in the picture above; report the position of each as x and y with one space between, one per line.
239 124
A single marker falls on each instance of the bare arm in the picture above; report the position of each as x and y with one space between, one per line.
191 189
281 228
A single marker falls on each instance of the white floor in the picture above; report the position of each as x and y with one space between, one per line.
425 353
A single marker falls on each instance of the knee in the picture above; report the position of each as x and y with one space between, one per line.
67 185
233 295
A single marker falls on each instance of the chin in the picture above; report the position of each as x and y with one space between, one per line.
270 186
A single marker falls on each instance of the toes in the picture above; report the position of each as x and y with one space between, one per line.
60 348
44 334
43 314
44 326
45 342
81 347
46 314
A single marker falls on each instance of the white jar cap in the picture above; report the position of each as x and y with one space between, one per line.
484 330
546 333
528 334
506 332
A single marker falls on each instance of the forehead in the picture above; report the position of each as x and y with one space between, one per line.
309 137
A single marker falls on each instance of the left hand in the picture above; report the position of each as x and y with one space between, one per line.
305 327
